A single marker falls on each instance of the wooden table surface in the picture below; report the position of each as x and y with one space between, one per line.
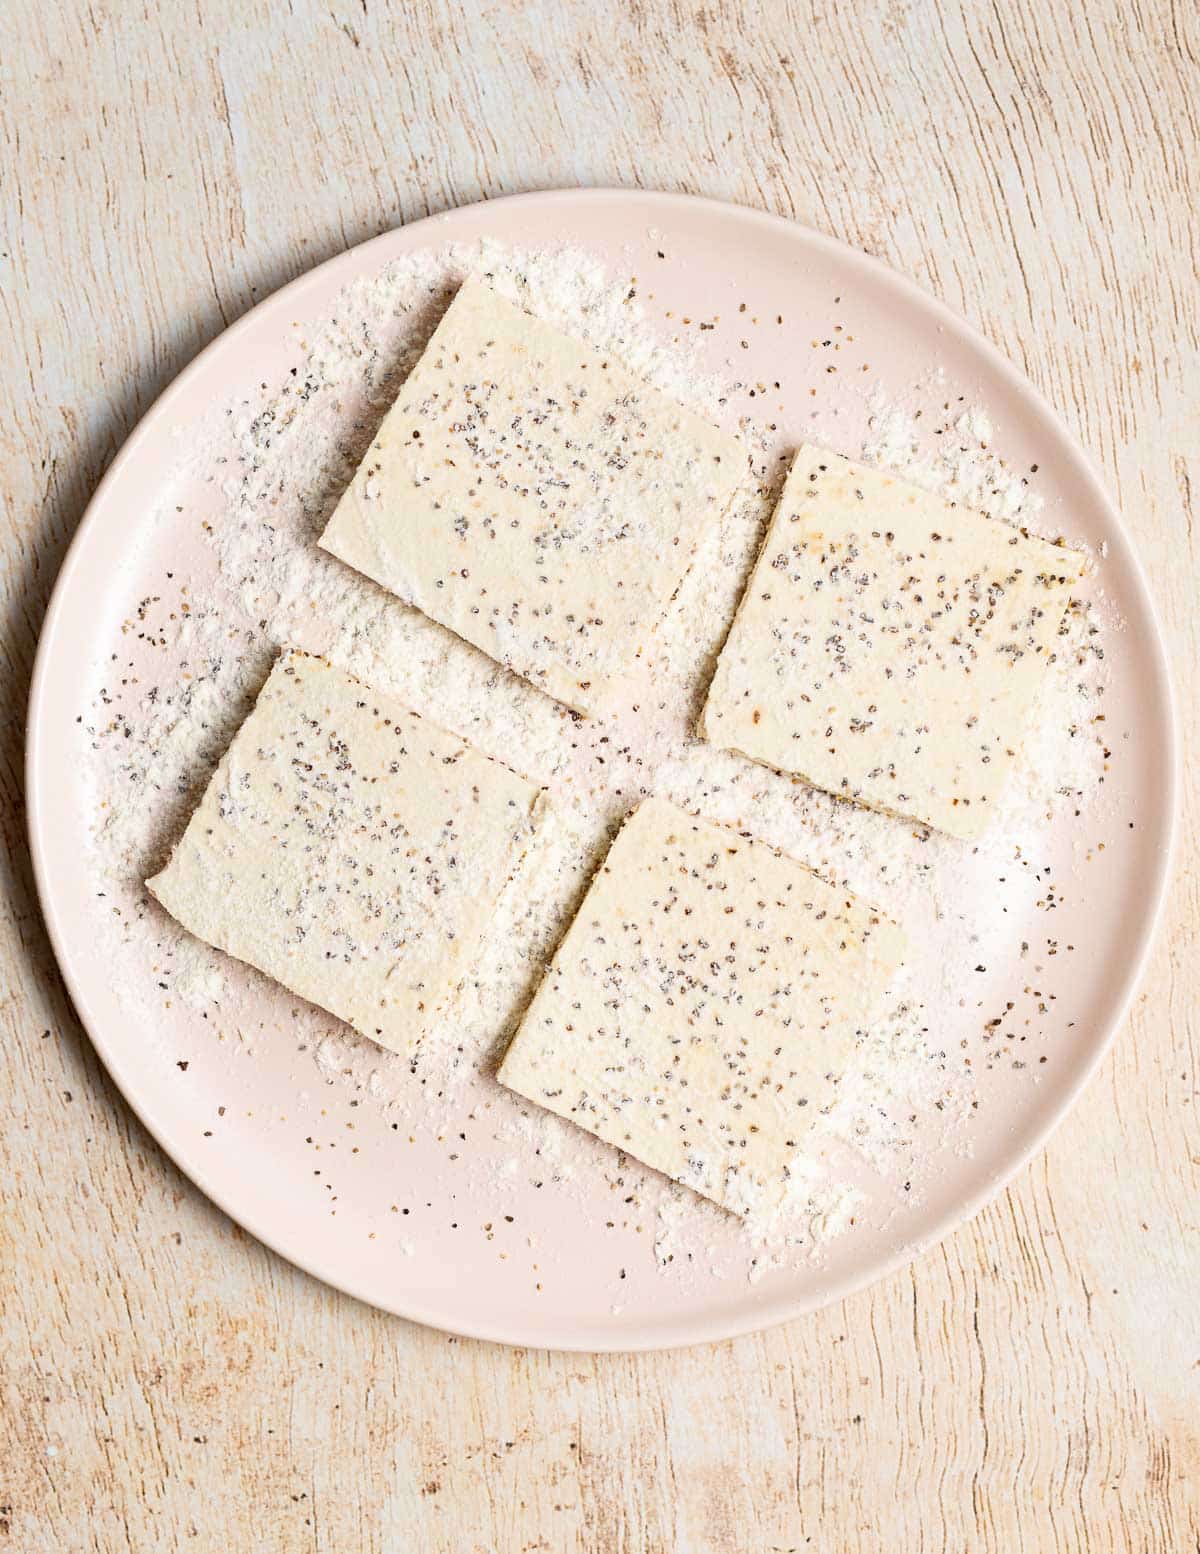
1032 1384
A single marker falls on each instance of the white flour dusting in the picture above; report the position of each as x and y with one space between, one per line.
277 473
962 467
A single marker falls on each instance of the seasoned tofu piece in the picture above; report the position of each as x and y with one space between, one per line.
349 849
702 1005
534 496
889 645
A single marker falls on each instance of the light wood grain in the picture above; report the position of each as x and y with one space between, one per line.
1034 1383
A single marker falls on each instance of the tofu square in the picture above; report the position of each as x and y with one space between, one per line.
535 497
702 1004
350 850
889 645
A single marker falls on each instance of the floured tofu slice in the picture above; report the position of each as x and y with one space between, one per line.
350 850
535 496
702 1004
889 645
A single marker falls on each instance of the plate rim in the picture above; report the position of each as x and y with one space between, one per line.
700 1328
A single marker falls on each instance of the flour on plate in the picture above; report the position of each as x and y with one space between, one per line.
276 474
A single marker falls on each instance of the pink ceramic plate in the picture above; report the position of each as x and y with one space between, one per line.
446 1235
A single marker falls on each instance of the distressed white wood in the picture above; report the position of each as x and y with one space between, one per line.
1034 1383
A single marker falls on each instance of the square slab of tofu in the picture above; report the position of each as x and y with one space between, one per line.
702 1004
889 646
534 496
350 850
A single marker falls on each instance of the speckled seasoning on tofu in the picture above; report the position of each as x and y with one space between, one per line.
889 645
533 495
349 849
702 1005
